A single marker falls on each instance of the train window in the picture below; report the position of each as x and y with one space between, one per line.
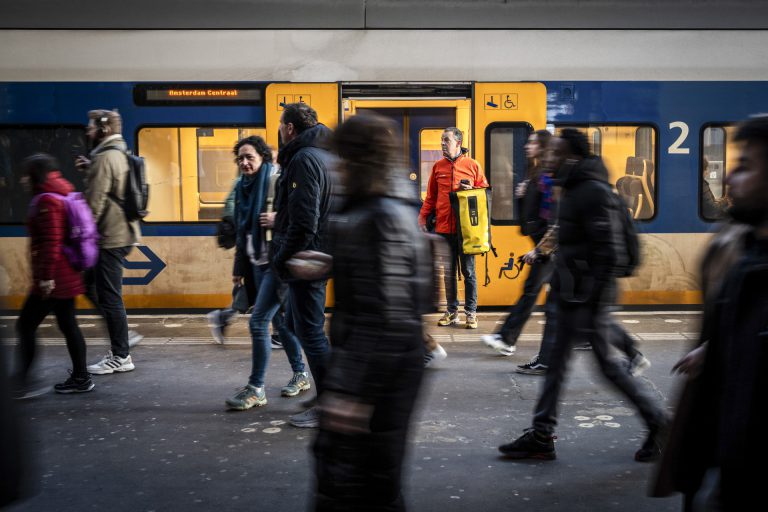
717 160
505 167
191 170
629 153
430 151
19 142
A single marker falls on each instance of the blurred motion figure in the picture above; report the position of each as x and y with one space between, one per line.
382 285
720 422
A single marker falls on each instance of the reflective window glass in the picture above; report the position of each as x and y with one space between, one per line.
506 166
190 170
718 159
430 151
17 143
629 153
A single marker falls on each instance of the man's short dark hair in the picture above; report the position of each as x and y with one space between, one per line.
37 167
456 134
576 142
754 130
300 115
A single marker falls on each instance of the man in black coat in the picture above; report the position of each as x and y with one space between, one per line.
302 204
585 285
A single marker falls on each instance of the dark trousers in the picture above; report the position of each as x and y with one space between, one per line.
34 311
307 311
592 321
539 274
467 263
363 472
104 287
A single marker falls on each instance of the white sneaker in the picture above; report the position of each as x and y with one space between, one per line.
112 364
134 338
638 365
496 342
434 356
216 325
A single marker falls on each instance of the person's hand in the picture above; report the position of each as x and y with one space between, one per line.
465 186
531 256
46 287
267 220
692 362
310 265
344 414
521 188
82 163
237 280
423 228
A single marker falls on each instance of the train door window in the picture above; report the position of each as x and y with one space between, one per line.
191 170
629 153
717 160
430 151
19 142
505 167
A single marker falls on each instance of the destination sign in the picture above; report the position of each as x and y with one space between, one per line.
197 94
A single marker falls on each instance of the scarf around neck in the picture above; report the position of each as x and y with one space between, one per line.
250 199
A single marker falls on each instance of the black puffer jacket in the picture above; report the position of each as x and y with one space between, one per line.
586 256
302 196
382 274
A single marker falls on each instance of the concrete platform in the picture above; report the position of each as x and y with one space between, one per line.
159 438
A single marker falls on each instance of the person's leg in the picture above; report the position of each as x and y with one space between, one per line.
307 299
449 275
571 323
65 317
539 274
109 291
550 327
263 309
33 312
470 283
290 343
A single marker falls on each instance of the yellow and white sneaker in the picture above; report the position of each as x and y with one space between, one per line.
471 321
449 319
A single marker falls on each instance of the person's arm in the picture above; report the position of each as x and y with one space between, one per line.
428 206
597 210
303 205
480 180
51 234
99 183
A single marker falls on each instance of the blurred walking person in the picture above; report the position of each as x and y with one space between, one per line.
106 171
55 282
382 274
717 432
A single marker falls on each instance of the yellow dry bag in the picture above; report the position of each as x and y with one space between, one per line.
472 210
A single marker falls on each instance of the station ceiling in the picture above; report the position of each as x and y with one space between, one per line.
384 14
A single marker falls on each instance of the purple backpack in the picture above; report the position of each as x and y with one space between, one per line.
81 245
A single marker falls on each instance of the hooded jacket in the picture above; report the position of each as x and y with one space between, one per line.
586 256
445 178
302 196
106 191
47 225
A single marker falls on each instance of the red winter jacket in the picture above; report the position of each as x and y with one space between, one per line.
47 225
445 178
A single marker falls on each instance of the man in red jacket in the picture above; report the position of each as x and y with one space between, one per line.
456 171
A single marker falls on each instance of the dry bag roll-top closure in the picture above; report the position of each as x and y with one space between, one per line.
472 211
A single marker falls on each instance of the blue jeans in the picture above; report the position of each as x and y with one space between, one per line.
265 309
467 270
307 299
104 288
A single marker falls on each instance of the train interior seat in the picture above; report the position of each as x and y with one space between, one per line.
636 187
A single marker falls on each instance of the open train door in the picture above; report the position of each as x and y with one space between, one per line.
505 114
323 97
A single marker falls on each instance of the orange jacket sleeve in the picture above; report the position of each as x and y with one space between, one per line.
428 206
480 181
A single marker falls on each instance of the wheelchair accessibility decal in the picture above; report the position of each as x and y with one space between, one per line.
153 264
512 269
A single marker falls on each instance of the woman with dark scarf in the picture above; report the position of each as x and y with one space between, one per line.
254 158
